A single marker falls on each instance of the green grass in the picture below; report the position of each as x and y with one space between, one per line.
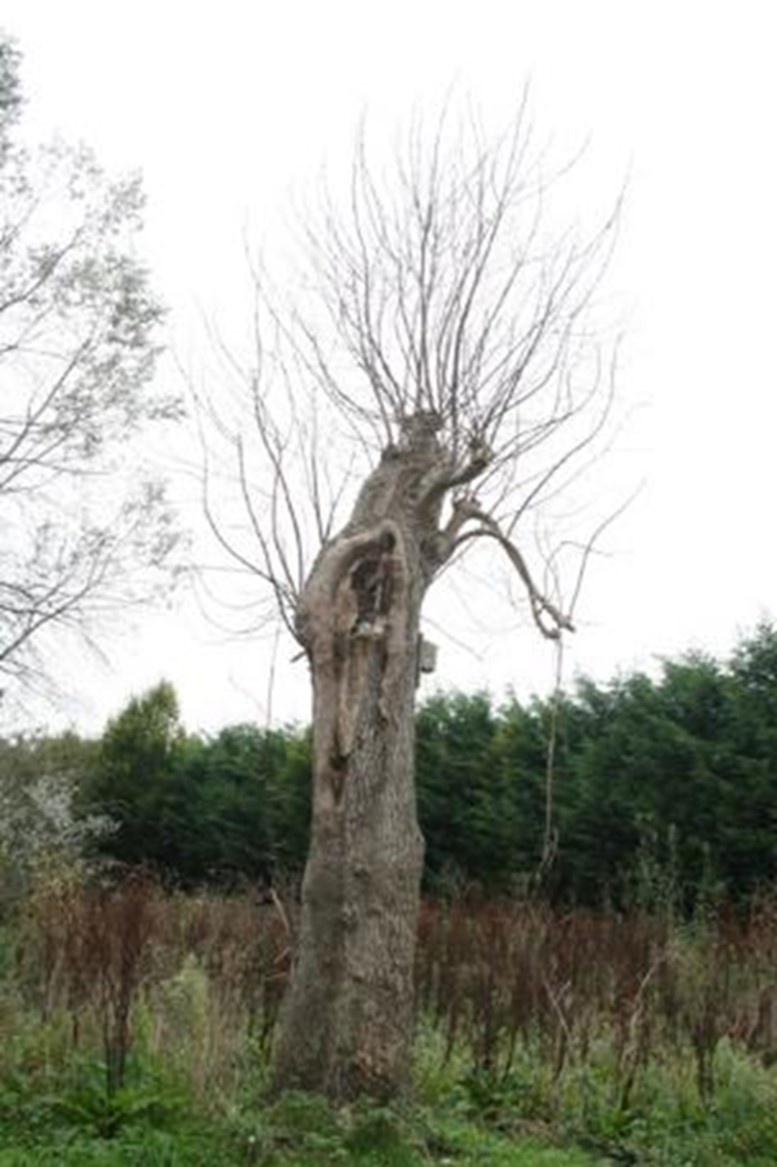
55 1111
623 1088
64 1118
157 1149
151 1126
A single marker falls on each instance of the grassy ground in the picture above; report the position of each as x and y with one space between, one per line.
299 1132
541 1042
62 1116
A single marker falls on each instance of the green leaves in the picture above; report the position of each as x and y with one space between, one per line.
228 809
663 790
655 782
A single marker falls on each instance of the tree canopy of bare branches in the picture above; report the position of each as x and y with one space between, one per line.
448 289
78 342
435 380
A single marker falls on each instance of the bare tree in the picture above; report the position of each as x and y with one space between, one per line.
78 326
447 363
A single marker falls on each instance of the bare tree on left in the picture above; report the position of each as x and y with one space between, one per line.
81 521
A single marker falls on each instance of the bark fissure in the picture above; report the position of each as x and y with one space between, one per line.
347 1026
347 1023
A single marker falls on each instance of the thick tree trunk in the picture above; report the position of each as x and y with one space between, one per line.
346 1027
347 1024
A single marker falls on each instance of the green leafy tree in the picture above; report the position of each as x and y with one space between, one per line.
674 781
248 792
464 796
135 784
223 810
290 803
538 797
748 803
226 780
663 790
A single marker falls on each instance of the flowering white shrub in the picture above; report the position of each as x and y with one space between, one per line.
39 825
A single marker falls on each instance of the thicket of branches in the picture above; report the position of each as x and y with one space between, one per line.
448 292
83 521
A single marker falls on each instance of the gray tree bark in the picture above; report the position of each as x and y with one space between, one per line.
346 1028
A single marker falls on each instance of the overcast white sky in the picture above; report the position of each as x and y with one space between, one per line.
228 108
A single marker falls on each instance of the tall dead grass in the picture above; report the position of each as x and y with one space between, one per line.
197 981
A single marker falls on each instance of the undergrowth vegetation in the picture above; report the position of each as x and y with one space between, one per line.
136 1025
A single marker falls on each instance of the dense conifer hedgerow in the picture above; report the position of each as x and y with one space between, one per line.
664 789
